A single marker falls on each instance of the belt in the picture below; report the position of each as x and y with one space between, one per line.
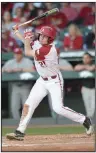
52 77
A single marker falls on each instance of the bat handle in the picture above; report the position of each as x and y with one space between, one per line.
22 24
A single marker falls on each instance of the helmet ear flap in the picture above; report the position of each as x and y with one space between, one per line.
50 40
38 36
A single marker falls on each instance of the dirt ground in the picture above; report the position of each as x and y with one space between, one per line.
58 142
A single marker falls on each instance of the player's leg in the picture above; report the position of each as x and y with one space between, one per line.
56 92
15 102
86 98
37 93
92 101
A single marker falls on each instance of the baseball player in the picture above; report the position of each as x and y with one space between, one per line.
50 81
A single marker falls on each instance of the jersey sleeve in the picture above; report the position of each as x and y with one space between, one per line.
42 52
35 45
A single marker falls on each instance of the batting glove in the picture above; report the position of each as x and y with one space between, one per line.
28 34
15 29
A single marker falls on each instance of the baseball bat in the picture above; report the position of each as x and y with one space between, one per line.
39 17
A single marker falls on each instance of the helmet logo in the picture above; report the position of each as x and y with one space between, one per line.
49 27
42 30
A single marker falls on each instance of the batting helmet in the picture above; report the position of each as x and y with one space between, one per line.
48 31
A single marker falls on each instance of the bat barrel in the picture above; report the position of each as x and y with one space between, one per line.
53 11
47 13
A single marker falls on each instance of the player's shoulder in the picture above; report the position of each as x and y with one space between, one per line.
48 48
26 59
36 45
10 62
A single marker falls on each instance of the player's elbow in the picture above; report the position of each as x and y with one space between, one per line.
76 68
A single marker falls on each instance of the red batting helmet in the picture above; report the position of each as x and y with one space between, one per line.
48 31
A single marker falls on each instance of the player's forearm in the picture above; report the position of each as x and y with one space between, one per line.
90 68
19 36
28 70
79 68
27 47
17 33
66 68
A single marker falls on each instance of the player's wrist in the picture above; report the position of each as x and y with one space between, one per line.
16 31
27 37
27 41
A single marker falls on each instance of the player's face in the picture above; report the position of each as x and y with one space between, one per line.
43 39
18 57
33 36
87 59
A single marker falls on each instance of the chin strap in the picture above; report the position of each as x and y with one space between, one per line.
50 40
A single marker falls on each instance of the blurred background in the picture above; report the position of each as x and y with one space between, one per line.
75 41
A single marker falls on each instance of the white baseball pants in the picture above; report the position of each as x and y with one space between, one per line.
54 87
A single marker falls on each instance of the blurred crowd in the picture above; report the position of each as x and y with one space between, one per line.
72 18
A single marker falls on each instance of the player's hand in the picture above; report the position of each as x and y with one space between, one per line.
15 29
28 34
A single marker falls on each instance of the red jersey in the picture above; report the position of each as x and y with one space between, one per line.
75 44
46 59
